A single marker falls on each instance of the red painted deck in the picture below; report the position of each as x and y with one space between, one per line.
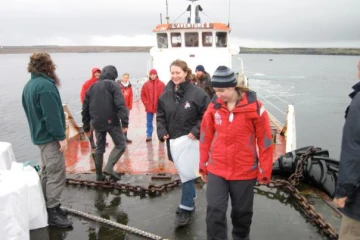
140 157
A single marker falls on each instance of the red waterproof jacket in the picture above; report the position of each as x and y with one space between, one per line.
150 93
236 145
128 94
87 84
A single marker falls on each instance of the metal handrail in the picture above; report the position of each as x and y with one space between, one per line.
272 105
272 95
241 64
148 65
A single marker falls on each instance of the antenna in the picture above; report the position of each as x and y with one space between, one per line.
229 13
167 12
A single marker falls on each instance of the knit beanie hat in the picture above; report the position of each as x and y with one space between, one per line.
200 68
223 77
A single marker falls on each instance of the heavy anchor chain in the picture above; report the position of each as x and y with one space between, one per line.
151 190
309 210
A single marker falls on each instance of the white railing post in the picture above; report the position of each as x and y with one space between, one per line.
148 65
290 129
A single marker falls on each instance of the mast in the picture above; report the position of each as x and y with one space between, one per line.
167 13
194 11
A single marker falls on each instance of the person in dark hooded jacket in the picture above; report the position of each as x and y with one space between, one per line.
347 194
104 107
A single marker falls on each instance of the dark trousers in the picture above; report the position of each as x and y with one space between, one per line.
116 135
91 138
241 193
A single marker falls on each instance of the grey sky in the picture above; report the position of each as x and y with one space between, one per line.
255 23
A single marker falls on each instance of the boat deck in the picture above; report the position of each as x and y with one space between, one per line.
140 157
276 214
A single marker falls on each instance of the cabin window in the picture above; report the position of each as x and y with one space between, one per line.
176 39
221 39
207 39
191 39
162 40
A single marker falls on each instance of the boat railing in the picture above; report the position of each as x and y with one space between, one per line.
149 64
289 127
240 74
272 100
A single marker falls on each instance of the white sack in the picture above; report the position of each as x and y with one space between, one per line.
186 156
14 216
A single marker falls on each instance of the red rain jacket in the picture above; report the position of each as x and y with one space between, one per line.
150 93
87 84
237 147
128 94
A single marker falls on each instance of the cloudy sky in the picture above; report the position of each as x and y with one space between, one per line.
255 23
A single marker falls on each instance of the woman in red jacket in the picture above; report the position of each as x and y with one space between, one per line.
235 151
127 92
150 93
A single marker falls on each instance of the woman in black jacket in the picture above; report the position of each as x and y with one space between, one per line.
179 112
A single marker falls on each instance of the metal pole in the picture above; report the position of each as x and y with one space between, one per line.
167 12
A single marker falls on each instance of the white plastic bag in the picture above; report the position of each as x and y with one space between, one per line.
36 202
186 156
14 216
7 155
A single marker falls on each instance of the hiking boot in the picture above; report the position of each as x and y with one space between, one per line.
57 218
114 177
98 160
178 210
113 159
182 218
63 212
126 138
148 139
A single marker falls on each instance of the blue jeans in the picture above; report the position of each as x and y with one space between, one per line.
149 124
188 195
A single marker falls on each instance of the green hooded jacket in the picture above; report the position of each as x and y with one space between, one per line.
43 108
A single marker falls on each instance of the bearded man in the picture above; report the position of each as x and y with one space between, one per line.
43 108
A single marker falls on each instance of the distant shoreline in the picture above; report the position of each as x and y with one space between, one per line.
303 51
114 49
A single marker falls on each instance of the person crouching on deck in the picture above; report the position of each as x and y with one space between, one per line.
105 108
127 92
150 93
179 113
233 126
